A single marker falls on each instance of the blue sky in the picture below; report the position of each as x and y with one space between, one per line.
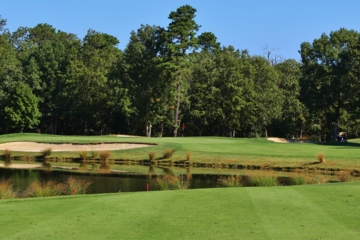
251 24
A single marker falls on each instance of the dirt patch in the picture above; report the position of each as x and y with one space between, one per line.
67 147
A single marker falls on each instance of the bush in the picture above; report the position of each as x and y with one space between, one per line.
188 156
6 190
152 156
7 154
321 157
76 186
344 176
298 180
168 153
263 181
104 156
46 153
44 189
83 155
230 181
169 182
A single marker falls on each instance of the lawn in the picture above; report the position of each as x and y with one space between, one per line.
326 211
296 212
219 150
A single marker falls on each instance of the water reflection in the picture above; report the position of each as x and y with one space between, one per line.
105 181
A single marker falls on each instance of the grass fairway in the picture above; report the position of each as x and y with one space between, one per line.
218 150
299 212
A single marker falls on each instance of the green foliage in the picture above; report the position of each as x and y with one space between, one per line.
298 180
21 109
263 181
328 73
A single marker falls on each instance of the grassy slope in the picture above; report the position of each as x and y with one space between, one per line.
298 212
214 149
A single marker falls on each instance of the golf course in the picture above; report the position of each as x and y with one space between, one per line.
312 211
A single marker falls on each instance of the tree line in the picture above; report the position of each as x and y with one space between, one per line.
171 81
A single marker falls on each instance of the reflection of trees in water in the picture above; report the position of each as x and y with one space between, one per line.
104 167
168 171
188 174
46 166
82 167
151 170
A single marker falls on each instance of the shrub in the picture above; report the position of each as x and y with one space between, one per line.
169 182
6 190
344 176
44 189
104 156
76 186
230 181
263 181
298 180
46 153
152 156
188 156
7 154
168 153
321 157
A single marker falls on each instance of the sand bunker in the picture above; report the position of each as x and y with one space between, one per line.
67 147
285 140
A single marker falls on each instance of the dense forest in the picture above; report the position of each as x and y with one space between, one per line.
173 81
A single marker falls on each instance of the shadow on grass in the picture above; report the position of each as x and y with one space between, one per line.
339 145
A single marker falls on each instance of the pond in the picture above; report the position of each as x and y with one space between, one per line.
142 178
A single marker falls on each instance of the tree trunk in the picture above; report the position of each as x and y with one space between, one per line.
85 128
266 133
335 130
176 117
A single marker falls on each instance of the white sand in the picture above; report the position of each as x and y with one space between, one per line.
67 147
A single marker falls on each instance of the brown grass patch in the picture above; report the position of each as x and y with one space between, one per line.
320 157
